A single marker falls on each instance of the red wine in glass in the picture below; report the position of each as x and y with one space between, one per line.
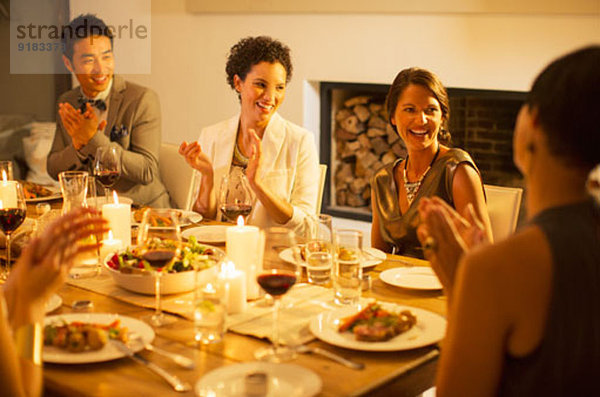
11 219
276 283
158 258
107 178
232 211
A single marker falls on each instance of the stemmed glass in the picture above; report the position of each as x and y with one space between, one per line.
159 241
107 167
13 209
276 278
235 195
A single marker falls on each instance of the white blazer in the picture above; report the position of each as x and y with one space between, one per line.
289 166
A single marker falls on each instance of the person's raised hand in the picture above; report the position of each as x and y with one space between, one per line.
81 127
255 157
196 158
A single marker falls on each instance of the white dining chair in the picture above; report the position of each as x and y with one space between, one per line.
322 175
503 205
176 175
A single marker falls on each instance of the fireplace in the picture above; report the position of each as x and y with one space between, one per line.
356 139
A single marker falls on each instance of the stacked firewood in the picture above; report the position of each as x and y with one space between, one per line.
364 142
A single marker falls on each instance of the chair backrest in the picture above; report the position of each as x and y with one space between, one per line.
503 205
322 175
176 175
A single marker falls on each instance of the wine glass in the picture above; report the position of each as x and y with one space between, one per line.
13 209
159 242
107 167
235 196
276 278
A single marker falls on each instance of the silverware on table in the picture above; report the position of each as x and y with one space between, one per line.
329 355
179 359
173 380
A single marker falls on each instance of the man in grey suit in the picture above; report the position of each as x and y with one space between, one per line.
105 110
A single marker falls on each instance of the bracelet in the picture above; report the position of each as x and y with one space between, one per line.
28 340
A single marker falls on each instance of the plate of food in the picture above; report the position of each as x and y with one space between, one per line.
372 258
35 193
379 326
259 378
79 338
416 277
133 273
207 234
186 218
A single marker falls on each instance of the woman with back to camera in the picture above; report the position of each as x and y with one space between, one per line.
278 157
418 109
524 313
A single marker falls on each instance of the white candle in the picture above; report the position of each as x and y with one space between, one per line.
119 219
110 246
242 244
8 194
233 287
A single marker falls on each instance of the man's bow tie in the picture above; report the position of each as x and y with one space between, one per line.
98 103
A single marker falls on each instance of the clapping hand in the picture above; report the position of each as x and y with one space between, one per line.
81 127
198 160
446 236
255 156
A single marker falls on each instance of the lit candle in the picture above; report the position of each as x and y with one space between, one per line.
8 192
110 246
119 219
233 287
242 244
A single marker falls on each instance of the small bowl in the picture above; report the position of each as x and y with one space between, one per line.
170 283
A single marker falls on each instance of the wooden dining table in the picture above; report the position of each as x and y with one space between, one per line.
398 373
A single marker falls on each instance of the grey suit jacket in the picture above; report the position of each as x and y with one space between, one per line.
136 110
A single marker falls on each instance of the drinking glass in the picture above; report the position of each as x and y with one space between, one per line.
107 168
13 209
276 278
318 249
347 275
235 195
6 167
159 240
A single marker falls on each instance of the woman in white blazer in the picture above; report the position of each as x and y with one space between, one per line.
278 157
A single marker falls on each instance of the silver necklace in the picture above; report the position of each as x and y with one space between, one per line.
412 188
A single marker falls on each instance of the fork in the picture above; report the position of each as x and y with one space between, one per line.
329 355
179 359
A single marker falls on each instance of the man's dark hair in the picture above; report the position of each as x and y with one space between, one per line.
81 27
566 96
251 51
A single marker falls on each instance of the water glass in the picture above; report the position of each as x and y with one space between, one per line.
73 186
210 311
347 274
318 249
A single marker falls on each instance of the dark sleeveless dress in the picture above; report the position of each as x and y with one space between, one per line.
567 362
397 229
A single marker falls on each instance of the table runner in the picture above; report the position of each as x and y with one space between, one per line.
303 302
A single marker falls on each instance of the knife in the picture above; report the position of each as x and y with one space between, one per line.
173 380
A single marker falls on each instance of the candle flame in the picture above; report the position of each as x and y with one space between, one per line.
240 221
4 177
110 234
115 197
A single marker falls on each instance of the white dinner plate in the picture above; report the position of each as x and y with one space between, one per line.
417 277
53 196
207 234
430 328
287 256
187 218
288 380
56 355
53 303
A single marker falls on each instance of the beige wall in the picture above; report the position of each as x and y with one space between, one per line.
474 51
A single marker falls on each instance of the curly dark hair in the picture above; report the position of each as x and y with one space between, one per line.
250 51
426 79
564 94
81 27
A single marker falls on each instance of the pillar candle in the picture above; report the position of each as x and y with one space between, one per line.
242 244
8 194
233 286
119 220
109 246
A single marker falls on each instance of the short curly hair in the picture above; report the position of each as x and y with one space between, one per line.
250 51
